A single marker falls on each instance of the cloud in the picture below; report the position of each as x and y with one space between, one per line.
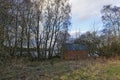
86 12
76 32
84 9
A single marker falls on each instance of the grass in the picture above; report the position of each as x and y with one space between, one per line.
60 70
97 71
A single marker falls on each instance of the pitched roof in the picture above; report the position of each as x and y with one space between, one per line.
73 47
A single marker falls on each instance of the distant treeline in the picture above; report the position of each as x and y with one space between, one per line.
106 42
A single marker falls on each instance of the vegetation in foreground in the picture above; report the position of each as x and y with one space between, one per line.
61 70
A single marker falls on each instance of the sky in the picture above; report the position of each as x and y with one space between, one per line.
86 15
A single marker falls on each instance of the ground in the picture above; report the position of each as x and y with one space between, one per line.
61 70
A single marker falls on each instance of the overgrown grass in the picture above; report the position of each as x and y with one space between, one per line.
97 71
60 70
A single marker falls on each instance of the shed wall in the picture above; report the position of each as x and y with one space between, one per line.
74 55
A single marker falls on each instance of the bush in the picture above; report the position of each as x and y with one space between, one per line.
4 56
110 50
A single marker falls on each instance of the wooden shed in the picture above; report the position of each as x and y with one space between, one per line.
75 51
